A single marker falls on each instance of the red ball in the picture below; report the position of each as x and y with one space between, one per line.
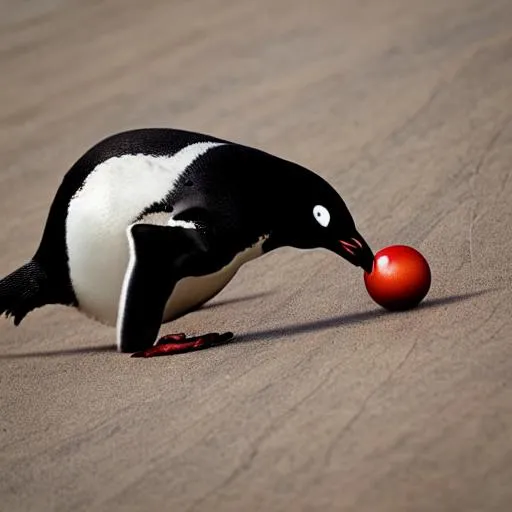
400 278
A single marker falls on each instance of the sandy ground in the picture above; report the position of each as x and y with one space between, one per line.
326 403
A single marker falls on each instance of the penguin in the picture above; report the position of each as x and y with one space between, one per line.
150 224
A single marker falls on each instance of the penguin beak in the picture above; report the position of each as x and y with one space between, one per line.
356 251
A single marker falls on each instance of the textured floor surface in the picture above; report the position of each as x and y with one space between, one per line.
326 403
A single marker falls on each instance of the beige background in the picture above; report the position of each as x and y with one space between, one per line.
327 403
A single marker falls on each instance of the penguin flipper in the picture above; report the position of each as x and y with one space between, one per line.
159 258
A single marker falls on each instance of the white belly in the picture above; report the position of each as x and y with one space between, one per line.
111 198
99 297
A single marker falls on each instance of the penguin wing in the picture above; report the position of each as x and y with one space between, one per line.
159 257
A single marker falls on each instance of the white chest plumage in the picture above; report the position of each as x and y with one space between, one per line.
111 198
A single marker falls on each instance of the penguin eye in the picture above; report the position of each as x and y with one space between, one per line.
322 215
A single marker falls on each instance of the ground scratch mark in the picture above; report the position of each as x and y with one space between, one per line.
280 420
330 449
474 175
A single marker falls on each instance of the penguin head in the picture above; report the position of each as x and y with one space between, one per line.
315 216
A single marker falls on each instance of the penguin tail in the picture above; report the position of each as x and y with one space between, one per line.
23 290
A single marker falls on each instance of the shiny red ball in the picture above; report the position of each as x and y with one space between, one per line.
400 278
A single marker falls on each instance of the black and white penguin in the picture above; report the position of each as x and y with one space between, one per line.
150 224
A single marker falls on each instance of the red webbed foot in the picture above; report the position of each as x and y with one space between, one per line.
179 343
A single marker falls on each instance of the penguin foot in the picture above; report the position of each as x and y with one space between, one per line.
179 343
